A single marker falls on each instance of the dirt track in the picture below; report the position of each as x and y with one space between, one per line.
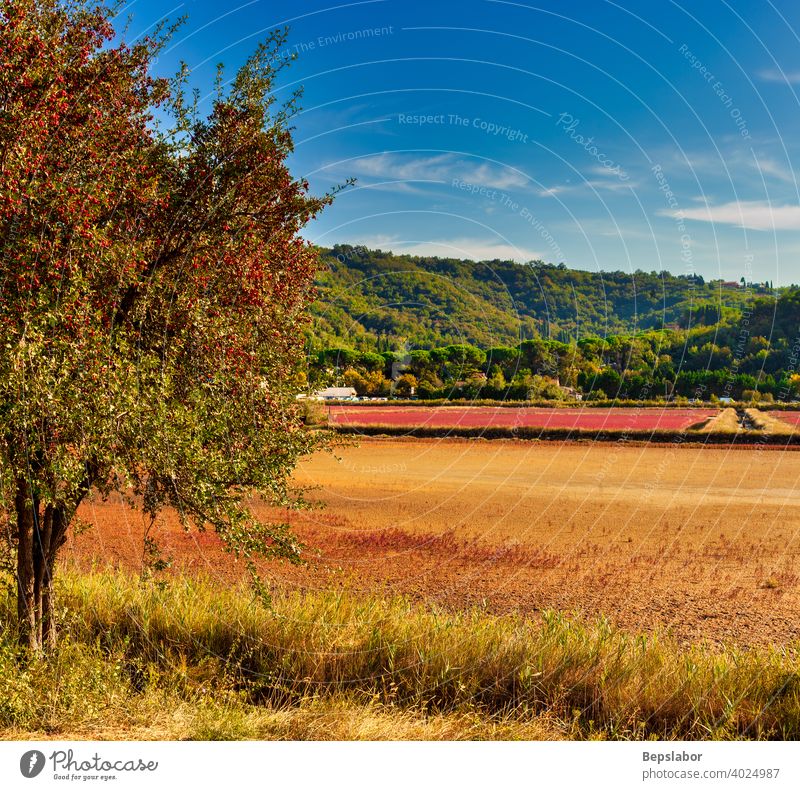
704 541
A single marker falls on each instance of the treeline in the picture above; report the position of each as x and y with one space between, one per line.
534 369
752 352
648 367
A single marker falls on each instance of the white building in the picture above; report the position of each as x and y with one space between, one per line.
335 393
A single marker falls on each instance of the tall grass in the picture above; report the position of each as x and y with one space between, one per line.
228 660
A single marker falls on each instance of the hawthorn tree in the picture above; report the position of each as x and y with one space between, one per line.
153 290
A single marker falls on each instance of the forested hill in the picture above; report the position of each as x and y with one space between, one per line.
374 300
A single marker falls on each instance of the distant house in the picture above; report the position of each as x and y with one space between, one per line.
335 393
731 284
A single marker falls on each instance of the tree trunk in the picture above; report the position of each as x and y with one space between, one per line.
40 535
42 571
49 631
26 586
56 539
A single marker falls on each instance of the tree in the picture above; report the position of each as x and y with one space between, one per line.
372 362
496 381
353 378
406 385
153 281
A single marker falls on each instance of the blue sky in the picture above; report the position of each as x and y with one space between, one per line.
607 135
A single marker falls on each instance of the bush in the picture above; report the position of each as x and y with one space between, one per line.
314 412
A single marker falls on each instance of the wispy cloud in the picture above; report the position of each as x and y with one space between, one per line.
441 167
745 170
612 185
476 249
771 167
556 190
407 186
752 214
599 178
778 75
610 173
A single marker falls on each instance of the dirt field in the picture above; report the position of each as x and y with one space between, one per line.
705 542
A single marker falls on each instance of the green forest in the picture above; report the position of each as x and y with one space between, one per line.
407 326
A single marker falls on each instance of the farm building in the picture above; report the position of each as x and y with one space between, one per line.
335 393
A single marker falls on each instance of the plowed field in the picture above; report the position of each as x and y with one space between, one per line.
702 541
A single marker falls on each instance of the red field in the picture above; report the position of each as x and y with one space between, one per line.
792 417
620 419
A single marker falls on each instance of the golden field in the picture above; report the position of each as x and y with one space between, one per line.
699 541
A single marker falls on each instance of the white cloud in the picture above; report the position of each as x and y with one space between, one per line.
775 169
751 214
778 75
475 249
556 190
441 167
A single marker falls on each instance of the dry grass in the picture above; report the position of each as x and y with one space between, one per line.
766 423
727 421
191 660
163 717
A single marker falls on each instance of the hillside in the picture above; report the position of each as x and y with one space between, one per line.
447 329
375 300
